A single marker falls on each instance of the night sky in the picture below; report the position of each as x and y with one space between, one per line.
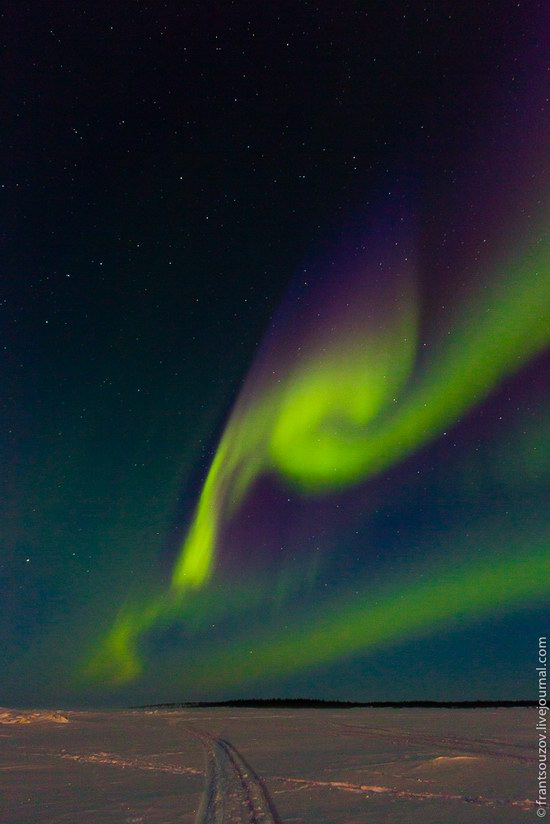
275 301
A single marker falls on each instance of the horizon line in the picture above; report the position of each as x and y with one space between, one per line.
331 703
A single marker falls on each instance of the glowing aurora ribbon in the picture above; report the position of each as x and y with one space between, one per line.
347 406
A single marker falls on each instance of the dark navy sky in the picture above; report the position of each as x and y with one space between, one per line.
169 170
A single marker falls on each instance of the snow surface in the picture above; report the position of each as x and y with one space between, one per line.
209 766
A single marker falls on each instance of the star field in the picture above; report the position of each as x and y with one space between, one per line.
274 317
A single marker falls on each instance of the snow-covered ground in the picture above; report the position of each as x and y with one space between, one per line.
212 766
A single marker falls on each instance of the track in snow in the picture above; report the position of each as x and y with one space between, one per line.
233 793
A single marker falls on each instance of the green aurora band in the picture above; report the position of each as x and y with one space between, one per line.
318 429
440 596
349 406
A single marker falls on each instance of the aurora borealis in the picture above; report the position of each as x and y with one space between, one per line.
259 442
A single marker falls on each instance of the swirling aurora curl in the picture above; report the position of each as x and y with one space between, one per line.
350 399
348 384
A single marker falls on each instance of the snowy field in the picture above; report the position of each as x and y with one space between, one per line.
214 766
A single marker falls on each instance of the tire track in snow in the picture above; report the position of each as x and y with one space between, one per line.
233 792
